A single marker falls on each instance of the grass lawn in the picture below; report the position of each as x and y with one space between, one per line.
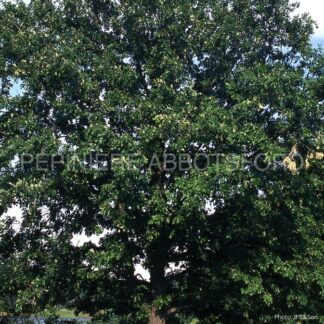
62 313
69 313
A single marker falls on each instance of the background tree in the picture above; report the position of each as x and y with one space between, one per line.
150 78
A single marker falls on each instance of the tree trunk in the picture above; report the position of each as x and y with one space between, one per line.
158 288
155 318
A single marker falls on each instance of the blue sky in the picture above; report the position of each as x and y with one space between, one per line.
318 41
316 10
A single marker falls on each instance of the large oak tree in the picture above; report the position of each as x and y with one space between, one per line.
150 78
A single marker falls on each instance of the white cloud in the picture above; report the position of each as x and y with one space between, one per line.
80 239
16 212
316 9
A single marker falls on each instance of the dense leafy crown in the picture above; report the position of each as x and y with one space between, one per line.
151 77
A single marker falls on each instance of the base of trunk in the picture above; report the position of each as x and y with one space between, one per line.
155 318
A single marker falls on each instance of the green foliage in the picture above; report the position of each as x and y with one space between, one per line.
150 78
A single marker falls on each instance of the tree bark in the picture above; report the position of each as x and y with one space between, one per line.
158 288
155 318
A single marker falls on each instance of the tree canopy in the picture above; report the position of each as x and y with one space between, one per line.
173 82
